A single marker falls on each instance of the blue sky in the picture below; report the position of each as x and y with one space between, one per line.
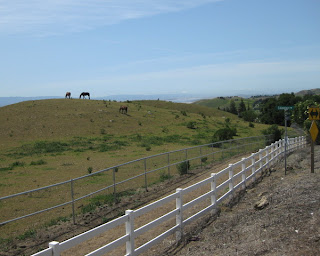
208 47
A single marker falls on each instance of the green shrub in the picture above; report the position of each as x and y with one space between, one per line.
184 113
90 170
17 164
226 133
183 167
39 162
27 234
204 159
192 125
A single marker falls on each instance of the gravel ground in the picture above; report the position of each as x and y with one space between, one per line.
287 221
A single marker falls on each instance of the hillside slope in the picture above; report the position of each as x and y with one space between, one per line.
289 223
75 135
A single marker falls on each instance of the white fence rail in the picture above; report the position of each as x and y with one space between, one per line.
221 185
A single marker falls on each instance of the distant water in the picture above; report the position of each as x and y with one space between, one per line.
179 98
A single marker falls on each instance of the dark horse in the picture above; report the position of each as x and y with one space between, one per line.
123 109
83 94
68 95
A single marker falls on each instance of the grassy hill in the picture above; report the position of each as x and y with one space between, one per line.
48 141
44 142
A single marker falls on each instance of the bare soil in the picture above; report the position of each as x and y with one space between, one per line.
288 223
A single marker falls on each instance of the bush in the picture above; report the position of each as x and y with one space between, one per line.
275 133
183 167
184 113
192 125
226 133
39 162
204 159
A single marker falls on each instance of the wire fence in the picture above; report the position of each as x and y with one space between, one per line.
82 194
137 231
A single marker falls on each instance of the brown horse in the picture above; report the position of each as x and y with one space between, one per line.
123 109
68 95
83 94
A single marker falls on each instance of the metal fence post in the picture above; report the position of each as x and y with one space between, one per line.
72 198
187 160
145 174
168 163
114 184
179 216
130 231
200 157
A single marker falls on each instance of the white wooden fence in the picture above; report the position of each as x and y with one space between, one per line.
238 177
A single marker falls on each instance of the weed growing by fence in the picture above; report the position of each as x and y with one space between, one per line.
29 233
183 167
164 176
55 221
108 199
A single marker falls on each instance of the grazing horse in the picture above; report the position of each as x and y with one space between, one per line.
68 95
83 94
123 109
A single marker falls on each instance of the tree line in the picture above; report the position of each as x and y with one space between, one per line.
268 113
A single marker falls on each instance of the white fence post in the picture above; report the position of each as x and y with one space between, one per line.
213 190
179 216
253 170
243 167
267 157
231 179
55 248
130 231
260 159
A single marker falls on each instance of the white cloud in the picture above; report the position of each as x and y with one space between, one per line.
59 16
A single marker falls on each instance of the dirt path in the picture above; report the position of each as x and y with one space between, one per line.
288 224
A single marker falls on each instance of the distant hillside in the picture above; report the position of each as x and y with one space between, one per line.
224 102
308 92
253 101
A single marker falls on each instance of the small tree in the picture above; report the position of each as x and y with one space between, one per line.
232 108
183 167
274 131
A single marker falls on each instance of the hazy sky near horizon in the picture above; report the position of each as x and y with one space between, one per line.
209 47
